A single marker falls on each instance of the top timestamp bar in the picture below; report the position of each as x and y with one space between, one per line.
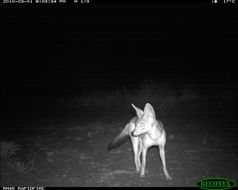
112 1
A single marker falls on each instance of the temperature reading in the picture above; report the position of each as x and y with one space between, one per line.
229 1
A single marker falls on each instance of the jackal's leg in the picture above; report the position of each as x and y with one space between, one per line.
144 151
139 153
162 155
135 146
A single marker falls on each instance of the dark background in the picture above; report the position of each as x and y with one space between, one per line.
60 50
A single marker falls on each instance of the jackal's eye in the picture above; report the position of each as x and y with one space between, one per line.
141 125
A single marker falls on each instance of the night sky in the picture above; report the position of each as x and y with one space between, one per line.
60 49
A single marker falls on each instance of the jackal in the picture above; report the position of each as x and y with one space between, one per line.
144 131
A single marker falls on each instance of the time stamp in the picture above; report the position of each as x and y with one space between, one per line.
44 1
88 1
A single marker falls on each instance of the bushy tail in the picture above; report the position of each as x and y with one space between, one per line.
120 139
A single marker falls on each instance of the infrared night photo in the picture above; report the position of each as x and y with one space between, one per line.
119 94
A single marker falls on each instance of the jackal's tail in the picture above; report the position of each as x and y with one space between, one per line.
120 139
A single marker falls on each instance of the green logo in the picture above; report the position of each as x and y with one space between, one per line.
215 183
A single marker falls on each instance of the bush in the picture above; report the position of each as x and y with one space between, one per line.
9 149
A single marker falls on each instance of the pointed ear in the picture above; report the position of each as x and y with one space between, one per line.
139 112
149 112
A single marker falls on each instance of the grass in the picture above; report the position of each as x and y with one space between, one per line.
161 94
166 97
9 150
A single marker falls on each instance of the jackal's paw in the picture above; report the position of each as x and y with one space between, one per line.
142 175
138 170
168 178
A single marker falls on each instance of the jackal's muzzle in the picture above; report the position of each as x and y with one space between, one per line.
136 134
133 134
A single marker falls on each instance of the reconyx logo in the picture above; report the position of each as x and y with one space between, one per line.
215 183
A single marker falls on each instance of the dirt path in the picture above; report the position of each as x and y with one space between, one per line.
72 152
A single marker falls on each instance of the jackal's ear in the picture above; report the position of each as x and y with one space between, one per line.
149 111
139 112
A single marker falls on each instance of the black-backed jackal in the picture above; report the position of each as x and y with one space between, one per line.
144 131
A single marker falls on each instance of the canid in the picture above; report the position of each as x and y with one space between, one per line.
144 131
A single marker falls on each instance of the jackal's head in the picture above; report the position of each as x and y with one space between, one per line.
146 120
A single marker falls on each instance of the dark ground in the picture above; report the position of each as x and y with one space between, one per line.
71 149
